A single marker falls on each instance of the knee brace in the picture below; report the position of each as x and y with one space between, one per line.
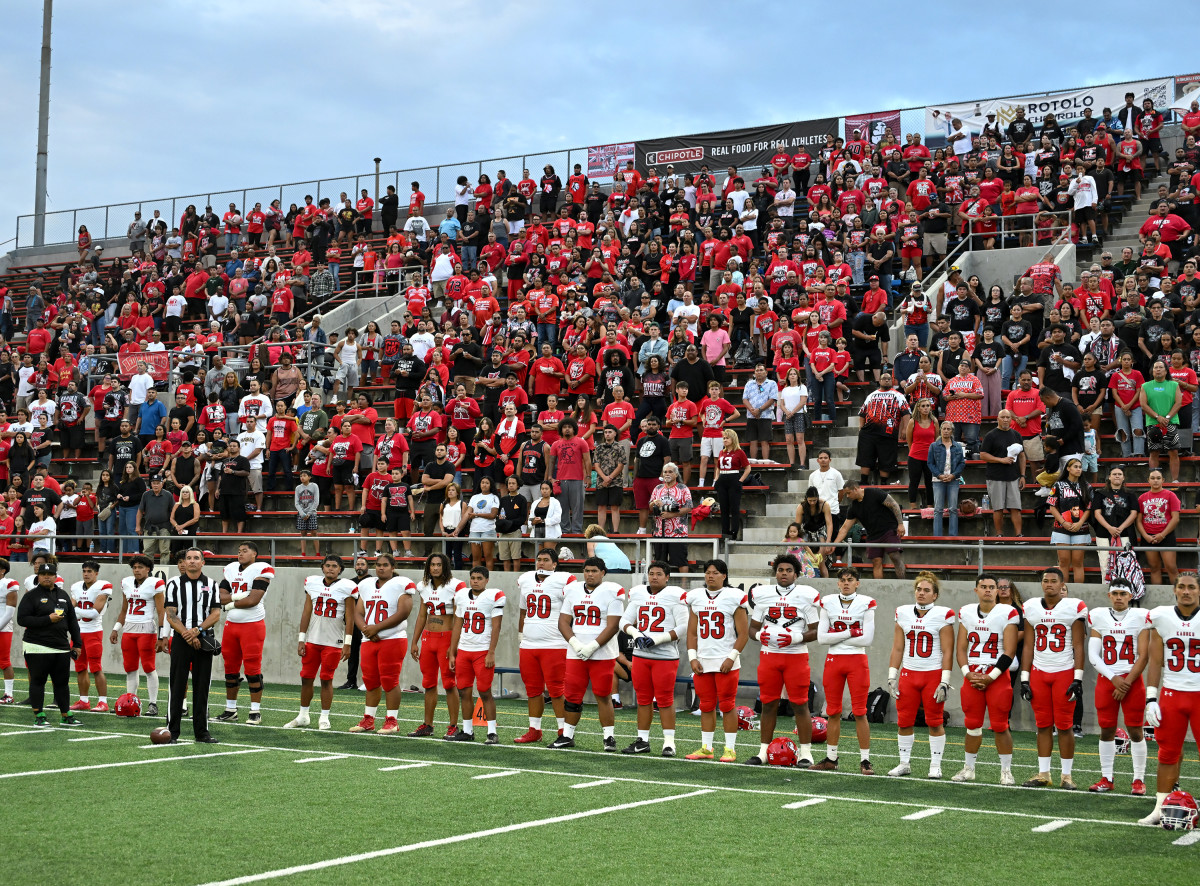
255 682
975 733
233 681
572 707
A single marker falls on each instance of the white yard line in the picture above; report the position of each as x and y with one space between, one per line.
444 841
1188 839
1052 825
593 784
815 801
96 738
497 774
23 732
921 813
404 766
131 763
324 759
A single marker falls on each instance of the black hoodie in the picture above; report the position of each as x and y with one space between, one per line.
33 614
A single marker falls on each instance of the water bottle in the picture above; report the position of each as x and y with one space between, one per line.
987 502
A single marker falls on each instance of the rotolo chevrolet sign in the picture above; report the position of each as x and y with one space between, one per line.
733 147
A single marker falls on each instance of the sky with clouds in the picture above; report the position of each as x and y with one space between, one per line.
172 98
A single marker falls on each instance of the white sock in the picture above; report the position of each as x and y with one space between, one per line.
1005 761
906 746
562 724
371 710
616 697
706 739
304 710
731 740
937 747
8 686
644 735
468 725
609 730
152 686
568 730
806 752
231 704
1137 750
668 738
491 727
1043 765
391 714
84 699
864 753
969 760
831 752
103 699
1159 798
762 751
535 723
255 707
131 682
1067 765
1108 756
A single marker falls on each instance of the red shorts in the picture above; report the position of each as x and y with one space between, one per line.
469 669
777 670
138 649
995 701
910 252
543 670
643 488
841 670
90 652
6 649
381 662
580 673
242 646
1179 710
402 408
1133 705
916 689
1051 707
654 681
435 657
316 656
715 690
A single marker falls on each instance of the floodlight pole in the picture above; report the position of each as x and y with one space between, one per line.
39 197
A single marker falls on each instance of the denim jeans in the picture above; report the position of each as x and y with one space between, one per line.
824 392
128 526
108 528
857 260
469 256
945 495
1011 369
967 433
1132 444
920 330
547 332
231 241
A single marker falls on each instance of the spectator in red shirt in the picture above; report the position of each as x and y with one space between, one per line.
570 464
282 432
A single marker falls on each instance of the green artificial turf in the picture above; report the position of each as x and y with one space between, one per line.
249 811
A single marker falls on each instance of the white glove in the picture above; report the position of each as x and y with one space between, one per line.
239 595
894 687
661 638
1153 714
941 693
354 478
588 649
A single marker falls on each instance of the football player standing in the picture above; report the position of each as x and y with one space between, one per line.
478 615
91 596
384 604
431 640
542 649
326 630
143 609
244 583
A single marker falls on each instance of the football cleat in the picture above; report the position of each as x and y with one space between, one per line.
461 735
1154 819
451 730
610 744
935 773
804 763
1041 780
422 731
967 773
491 739
639 746
100 708
562 742
254 719
226 716
729 756
668 751
531 735
40 722
902 769
70 720
390 727
152 710
366 724
864 766
826 765
301 720
1103 786
756 760
1066 783
8 699
324 725
1138 788
704 753
81 705
1006 778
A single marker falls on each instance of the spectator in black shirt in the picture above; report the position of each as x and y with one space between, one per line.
882 522
651 451
696 372
48 616
1057 357
233 481
1062 430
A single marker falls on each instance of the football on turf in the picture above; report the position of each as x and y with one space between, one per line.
160 735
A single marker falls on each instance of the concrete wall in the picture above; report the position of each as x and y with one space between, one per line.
284 600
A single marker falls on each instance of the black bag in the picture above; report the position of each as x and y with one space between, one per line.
877 705
209 642
743 356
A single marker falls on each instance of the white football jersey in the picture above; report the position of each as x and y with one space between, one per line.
1118 635
7 586
542 600
589 610
380 603
1181 648
31 582
715 631
923 635
657 613
139 601
785 614
440 600
477 612
1052 650
842 616
90 621
243 580
985 633
327 626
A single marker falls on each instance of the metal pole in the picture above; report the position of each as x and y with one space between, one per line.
378 160
39 196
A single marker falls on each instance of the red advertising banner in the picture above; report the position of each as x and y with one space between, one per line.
158 364
605 160
873 126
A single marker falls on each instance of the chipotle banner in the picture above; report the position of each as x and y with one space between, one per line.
747 149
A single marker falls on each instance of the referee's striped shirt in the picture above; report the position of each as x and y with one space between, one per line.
192 598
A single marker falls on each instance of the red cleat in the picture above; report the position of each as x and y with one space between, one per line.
451 729
366 724
1103 786
81 705
101 707
530 736
1138 789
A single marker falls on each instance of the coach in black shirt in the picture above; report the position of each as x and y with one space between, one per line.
193 607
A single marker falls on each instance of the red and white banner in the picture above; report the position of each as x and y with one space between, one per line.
873 126
605 160
158 364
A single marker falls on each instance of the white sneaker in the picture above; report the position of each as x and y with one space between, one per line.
1006 778
301 720
1044 492
641 530
323 725
902 769
967 773
1153 820
935 772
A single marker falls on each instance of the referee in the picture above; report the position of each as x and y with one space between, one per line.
193 605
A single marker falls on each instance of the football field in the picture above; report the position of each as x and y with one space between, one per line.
101 805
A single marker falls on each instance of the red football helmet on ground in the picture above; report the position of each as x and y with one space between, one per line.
746 718
1179 811
820 728
1121 739
782 752
128 706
